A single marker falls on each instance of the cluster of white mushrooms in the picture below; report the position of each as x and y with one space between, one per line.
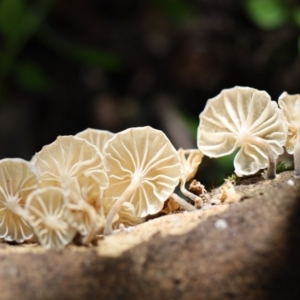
93 182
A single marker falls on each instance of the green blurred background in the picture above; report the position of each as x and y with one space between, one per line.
111 64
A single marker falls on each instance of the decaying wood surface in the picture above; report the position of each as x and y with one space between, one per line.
246 247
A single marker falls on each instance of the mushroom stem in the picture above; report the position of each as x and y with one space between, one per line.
183 203
15 207
83 206
251 139
93 229
297 155
190 195
127 193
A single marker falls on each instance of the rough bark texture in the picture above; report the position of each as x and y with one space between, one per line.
180 256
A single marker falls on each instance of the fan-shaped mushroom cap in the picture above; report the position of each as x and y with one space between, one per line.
18 178
233 115
290 106
146 156
96 137
47 212
66 159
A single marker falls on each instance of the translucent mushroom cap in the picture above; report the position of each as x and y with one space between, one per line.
290 106
146 155
96 137
47 213
66 159
18 178
235 113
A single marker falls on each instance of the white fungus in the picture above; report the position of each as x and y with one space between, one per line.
143 168
245 118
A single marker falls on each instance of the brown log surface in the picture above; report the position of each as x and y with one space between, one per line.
179 256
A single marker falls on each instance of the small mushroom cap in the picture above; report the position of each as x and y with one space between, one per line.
91 191
66 159
96 137
234 113
47 211
84 202
18 178
190 163
290 106
126 214
144 154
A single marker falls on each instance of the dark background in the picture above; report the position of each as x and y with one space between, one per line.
112 64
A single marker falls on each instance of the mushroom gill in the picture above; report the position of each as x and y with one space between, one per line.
47 212
18 178
143 168
245 118
290 106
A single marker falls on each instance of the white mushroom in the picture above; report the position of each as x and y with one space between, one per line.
85 204
290 106
66 159
125 216
244 118
47 212
190 160
96 137
78 167
143 168
18 178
